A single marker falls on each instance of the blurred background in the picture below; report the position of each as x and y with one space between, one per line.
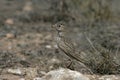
27 40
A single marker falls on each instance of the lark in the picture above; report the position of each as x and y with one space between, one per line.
66 45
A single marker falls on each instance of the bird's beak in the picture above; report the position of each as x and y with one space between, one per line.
53 26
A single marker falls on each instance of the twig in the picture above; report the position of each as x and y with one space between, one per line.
91 43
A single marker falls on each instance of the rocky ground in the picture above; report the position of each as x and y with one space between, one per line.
28 50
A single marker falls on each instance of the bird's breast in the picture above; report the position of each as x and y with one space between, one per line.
58 39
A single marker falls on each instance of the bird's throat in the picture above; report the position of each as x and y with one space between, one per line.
60 34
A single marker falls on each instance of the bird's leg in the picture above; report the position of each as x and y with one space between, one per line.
70 64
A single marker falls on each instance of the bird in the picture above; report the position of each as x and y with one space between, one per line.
66 45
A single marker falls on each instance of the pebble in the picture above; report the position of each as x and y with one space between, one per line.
10 35
28 7
15 71
37 78
9 21
48 46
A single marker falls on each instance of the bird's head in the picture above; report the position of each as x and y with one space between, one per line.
59 27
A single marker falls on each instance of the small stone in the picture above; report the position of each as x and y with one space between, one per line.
109 77
9 21
10 35
15 71
56 46
48 46
22 79
54 61
37 78
28 6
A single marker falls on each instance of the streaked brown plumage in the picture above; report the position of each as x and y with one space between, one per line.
65 44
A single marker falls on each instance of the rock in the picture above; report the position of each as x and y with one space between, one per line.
9 21
109 77
21 79
10 35
37 78
15 71
63 74
28 7
54 61
48 46
10 77
29 73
